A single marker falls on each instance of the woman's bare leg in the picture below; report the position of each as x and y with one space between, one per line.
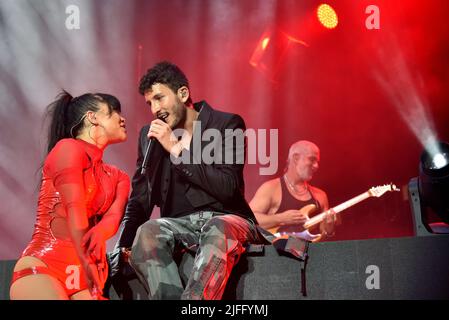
36 286
82 295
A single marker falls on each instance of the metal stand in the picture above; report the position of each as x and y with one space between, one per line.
420 226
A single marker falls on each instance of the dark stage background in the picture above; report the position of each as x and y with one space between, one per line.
355 92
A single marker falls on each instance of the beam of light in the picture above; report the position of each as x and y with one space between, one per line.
396 79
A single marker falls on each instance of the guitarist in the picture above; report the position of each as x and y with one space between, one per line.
277 202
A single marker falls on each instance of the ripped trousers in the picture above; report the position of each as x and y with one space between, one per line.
219 240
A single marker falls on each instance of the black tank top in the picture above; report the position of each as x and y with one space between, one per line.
288 202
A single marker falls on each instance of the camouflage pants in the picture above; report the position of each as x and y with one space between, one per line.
220 239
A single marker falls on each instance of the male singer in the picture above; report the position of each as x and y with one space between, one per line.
200 194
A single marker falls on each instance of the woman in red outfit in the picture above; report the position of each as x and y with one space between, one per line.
81 202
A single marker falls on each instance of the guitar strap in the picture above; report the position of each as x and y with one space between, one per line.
303 275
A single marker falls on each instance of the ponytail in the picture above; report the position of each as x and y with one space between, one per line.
57 111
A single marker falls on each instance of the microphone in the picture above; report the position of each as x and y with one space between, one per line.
149 148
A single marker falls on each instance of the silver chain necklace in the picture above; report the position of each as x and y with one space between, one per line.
306 189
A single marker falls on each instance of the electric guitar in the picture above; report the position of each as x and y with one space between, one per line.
303 232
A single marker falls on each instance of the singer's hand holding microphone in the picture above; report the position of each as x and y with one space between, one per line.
162 132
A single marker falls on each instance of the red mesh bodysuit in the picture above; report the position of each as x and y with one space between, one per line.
75 181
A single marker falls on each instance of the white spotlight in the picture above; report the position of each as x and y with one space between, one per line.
439 161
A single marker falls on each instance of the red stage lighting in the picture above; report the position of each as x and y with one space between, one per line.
327 16
271 51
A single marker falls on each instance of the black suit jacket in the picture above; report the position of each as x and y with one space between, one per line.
219 186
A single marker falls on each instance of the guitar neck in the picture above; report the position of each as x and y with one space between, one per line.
345 205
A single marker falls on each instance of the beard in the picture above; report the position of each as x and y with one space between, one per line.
305 175
179 114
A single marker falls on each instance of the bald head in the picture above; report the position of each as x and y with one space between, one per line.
302 147
303 160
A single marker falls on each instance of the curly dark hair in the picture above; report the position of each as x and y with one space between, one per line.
166 73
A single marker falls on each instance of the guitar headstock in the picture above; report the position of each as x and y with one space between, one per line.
380 190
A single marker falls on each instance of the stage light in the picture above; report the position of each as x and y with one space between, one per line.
439 161
430 191
272 50
434 181
327 16
265 43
